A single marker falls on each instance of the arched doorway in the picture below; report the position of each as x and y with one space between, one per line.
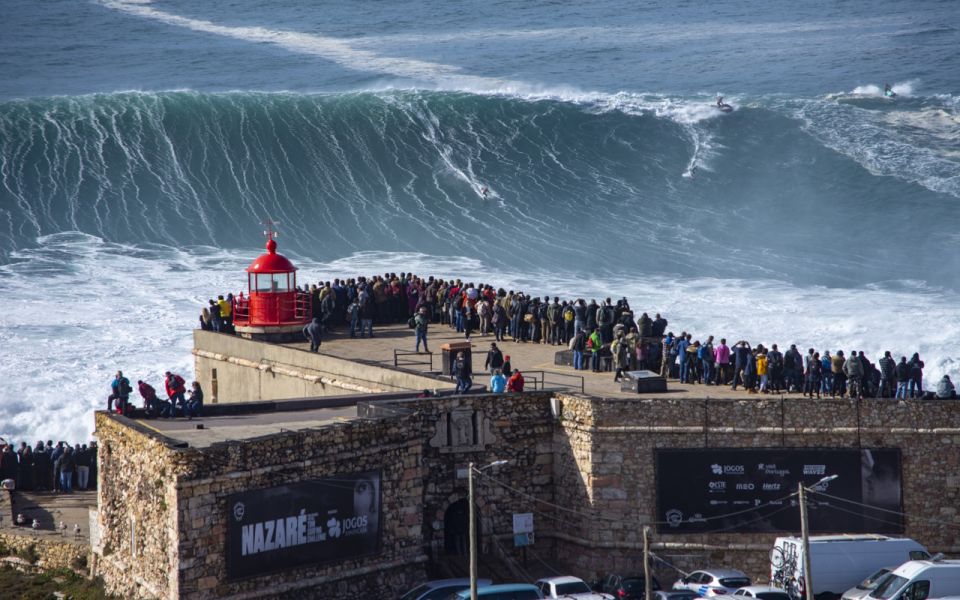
456 529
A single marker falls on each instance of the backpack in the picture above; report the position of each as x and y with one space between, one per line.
125 388
568 314
606 315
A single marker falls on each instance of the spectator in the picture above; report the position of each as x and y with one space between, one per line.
498 382
515 383
194 407
65 467
83 467
945 389
120 392
421 323
151 403
494 361
313 331
463 373
176 389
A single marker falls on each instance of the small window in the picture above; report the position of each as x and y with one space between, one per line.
918 590
918 555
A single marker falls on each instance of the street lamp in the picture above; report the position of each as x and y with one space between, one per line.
805 532
473 523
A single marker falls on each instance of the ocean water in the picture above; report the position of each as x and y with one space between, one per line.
142 142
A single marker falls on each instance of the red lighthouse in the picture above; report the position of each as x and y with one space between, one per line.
274 309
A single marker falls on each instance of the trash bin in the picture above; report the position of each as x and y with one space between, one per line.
449 355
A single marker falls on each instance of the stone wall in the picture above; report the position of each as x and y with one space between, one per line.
234 369
138 504
51 552
173 502
610 464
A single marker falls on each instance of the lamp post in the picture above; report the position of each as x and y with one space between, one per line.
805 533
473 524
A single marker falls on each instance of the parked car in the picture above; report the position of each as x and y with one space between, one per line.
569 587
838 561
867 585
504 591
441 589
674 595
627 587
713 582
919 580
762 592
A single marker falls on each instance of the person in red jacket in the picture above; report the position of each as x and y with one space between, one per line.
515 383
151 403
176 388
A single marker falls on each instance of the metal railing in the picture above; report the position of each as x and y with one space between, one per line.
276 306
400 360
552 379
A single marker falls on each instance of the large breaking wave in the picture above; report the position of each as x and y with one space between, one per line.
589 182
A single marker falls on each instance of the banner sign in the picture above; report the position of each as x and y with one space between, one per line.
309 522
749 490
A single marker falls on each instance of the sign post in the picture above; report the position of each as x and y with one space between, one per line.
523 532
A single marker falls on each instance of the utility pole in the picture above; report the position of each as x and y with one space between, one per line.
647 577
805 530
473 535
805 534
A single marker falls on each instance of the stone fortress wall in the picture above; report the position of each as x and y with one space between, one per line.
163 508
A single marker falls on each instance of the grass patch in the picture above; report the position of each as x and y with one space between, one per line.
41 586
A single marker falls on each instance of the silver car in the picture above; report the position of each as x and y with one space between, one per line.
711 583
761 592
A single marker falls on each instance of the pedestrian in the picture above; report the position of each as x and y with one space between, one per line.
498 383
507 371
176 388
515 383
120 392
421 322
494 360
313 331
839 374
903 378
83 467
463 373
215 321
578 345
618 352
916 376
194 407
945 389
888 375
813 375
594 344
151 404
65 467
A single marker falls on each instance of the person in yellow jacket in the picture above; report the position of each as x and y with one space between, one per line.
762 369
226 310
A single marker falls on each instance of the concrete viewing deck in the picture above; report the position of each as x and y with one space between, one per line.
527 357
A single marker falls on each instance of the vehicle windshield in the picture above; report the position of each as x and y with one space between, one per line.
873 581
773 596
734 582
682 596
416 592
888 587
574 587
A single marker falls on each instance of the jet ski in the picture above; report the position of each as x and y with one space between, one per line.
888 91
724 108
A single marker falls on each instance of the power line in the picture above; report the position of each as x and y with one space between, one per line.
885 510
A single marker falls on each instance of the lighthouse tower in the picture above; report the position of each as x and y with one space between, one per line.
273 310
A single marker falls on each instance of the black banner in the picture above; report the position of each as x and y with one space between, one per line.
748 490
303 523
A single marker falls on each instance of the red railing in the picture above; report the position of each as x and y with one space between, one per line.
279 309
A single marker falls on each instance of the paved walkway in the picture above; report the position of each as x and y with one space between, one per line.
51 509
527 357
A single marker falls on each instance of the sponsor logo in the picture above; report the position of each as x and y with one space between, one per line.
745 486
718 469
238 511
772 469
741 502
718 502
674 517
296 530
771 487
814 469
697 518
718 486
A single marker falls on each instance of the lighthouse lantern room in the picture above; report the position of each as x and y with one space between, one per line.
274 309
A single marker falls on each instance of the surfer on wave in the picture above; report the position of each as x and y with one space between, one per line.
484 191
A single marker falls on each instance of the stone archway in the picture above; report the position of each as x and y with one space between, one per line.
456 528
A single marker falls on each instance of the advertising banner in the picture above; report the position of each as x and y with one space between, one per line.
309 522
749 490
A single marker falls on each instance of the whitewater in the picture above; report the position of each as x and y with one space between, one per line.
133 176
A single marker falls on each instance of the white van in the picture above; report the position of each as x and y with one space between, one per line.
919 580
837 562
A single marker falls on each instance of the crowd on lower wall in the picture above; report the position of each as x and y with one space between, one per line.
601 335
49 467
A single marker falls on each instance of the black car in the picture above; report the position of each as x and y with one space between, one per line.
627 587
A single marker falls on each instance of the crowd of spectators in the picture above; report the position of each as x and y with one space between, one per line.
179 401
603 336
49 467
